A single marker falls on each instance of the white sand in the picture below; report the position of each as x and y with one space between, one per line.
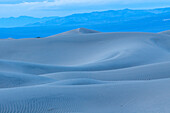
85 71
165 32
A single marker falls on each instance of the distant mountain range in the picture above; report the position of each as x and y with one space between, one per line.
152 20
105 17
21 21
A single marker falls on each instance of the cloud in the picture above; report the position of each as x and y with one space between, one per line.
21 1
57 2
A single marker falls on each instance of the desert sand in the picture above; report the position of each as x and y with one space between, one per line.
86 71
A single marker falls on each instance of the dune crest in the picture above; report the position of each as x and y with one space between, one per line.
165 32
77 32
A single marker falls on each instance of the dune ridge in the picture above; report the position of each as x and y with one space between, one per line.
86 71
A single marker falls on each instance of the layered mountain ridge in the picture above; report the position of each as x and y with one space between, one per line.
127 20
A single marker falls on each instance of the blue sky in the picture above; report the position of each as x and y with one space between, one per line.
41 8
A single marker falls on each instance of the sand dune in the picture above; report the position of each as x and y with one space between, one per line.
165 32
78 31
10 80
145 72
86 71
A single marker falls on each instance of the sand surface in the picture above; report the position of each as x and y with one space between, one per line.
85 71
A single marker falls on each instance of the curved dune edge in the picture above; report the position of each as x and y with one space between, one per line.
165 32
85 71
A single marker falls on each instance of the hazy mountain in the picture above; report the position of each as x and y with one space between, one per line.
21 21
105 17
111 16
127 20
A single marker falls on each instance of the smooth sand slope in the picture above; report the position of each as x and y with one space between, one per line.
86 71
165 32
